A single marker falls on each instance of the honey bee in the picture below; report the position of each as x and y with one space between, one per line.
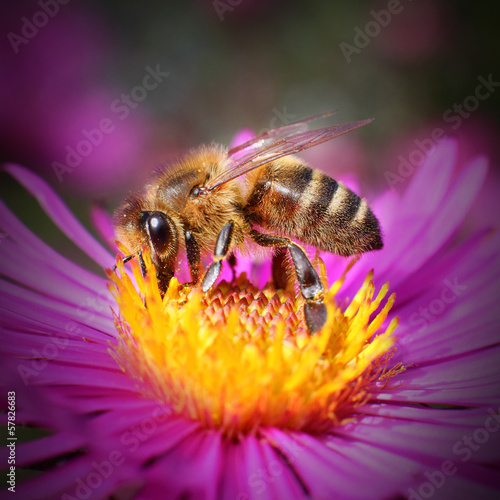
216 201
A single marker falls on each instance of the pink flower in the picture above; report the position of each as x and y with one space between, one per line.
431 432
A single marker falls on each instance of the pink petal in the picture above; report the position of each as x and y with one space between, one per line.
103 222
172 475
59 213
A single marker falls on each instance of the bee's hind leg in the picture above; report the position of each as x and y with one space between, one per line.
221 249
281 269
309 281
231 260
311 288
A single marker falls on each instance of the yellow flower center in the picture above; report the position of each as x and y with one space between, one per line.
240 358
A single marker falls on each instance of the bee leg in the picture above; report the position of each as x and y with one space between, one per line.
164 280
221 249
193 256
141 262
280 269
162 277
311 288
309 281
231 260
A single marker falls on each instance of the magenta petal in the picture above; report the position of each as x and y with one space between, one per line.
48 447
165 438
447 218
84 477
244 135
278 474
103 222
234 483
420 198
329 468
27 307
33 248
193 471
265 473
60 214
467 380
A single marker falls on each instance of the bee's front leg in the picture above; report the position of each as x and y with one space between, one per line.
221 249
309 281
163 275
193 256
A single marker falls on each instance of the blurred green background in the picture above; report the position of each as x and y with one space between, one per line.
411 65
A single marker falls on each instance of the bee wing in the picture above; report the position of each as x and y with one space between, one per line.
276 144
260 141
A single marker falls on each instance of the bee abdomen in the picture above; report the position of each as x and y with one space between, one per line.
310 206
335 219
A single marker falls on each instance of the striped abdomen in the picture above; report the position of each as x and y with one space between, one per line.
296 201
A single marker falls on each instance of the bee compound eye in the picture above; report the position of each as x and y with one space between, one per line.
159 230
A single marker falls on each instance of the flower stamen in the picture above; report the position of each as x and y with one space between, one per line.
239 358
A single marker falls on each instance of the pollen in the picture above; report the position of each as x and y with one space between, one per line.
239 358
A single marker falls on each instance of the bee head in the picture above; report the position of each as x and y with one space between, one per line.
136 228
